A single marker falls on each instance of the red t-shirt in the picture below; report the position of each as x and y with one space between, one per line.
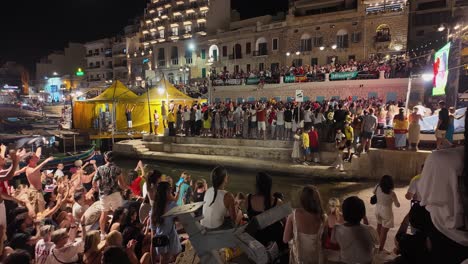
313 139
135 186
261 115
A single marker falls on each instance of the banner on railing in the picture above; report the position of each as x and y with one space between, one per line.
218 82
289 78
343 75
234 82
252 81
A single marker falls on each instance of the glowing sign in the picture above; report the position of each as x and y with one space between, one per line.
441 70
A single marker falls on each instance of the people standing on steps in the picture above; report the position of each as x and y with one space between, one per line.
156 121
128 115
164 114
414 129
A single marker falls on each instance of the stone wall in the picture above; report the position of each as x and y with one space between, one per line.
387 89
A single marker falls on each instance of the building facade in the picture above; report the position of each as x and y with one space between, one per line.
188 40
99 63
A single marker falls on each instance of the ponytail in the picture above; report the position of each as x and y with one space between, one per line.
217 179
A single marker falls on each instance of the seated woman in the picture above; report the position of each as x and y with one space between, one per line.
260 202
305 227
219 210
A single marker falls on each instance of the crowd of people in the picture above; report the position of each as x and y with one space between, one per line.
90 213
393 67
350 124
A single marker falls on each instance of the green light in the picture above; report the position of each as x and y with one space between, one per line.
79 72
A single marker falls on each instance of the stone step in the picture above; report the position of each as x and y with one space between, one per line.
219 141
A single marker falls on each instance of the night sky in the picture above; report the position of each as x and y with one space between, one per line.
31 29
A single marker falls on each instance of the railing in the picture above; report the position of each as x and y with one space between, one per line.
260 53
200 29
93 67
383 38
161 63
188 60
175 61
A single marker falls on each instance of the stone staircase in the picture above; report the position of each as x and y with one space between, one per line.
268 150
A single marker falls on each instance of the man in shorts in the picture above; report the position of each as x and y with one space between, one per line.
33 173
128 114
164 113
369 124
111 182
261 117
288 115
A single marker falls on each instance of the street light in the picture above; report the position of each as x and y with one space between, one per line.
441 28
333 46
191 46
322 48
298 53
288 53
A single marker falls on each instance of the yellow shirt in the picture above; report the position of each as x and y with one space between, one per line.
349 133
171 117
305 140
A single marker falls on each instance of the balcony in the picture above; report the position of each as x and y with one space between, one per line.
175 61
383 38
179 8
91 67
257 53
188 60
89 55
200 30
177 19
119 53
234 57
161 63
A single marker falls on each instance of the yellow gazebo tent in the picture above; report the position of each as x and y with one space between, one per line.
85 112
163 91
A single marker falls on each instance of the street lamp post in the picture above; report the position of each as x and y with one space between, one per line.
149 106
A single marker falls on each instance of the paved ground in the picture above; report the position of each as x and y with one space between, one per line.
399 213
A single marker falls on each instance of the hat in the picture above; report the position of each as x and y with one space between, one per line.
78 163
49 171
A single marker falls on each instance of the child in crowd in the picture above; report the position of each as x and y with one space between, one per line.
349 136
296 153
184 191
200 189
334 217
306 145
356 241
386 197
314 145
340 145
240 203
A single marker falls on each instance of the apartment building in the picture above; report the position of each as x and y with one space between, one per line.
99 64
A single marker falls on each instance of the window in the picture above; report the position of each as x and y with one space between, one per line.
248 48
248 67
297 62
331 59
161 57
274 44
98 64
314 61
262 48
306 44
274 67
188 56
203 72
175 31
188 28
318 41
383 33
203 54
342 41
356 37
161 33
225 51
96 51
261 66
91 65
236 69
352 57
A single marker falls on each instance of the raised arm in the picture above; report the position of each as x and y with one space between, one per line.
12 169
39 167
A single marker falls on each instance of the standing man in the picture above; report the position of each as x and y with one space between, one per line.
198 120
33 173
261 121
288 115
164 114
128 114
111 182
369 124
442 126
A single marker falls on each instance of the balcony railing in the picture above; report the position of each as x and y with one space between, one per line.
199 29
93 67
260 52
188 60
175 61
383 38
161 63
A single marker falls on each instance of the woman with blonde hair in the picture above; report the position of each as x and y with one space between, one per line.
92 254
304 228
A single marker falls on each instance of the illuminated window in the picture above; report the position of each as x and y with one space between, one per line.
188 28
175 31
161 33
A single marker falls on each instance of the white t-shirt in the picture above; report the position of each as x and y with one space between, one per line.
58 173
78 210
413 188
307 116
280 117
357 243
253 115
42 251
186 116
68 253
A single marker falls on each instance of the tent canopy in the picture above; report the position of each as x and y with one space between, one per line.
170 92
117 91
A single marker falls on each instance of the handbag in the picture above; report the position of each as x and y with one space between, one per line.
373 199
